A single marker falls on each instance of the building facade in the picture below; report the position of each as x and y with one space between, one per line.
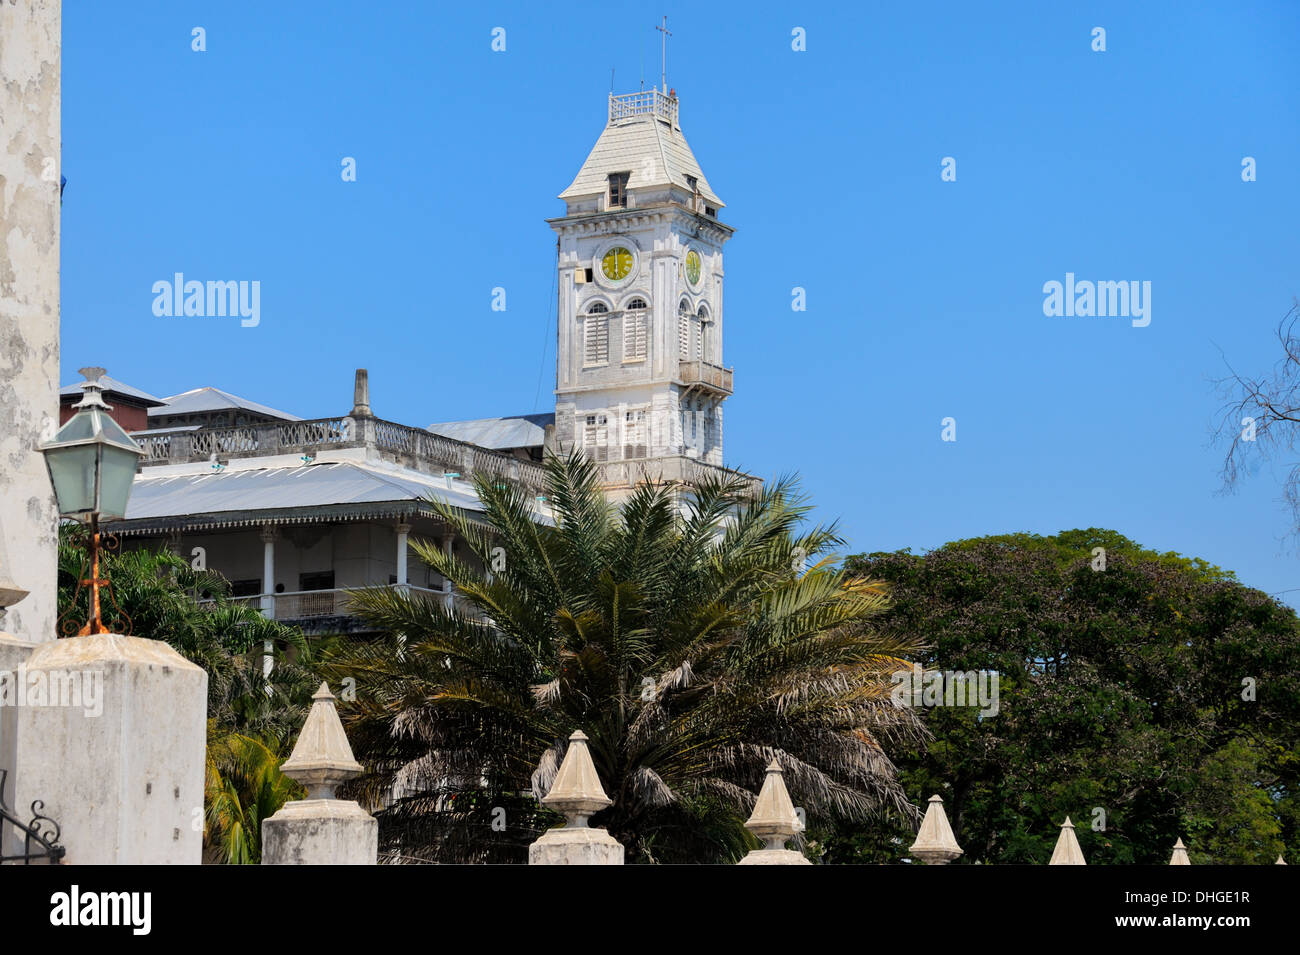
297 513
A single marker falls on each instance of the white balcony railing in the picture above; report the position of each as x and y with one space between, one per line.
336 602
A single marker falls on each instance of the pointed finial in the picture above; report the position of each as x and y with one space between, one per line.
935 843
1067 851
577 791
773 819
92 389
1280 860
1180 854
322 757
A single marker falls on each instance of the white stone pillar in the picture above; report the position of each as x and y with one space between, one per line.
935 843
14 654
578 794
269 535
403 532
1067 851
30 167
1180 854
116 748
321 829
448 540
774 821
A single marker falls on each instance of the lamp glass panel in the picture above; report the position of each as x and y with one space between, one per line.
73 472
116 474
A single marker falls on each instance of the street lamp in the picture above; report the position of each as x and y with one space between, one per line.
92 463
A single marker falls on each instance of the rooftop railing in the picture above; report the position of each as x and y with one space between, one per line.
416 448
646 102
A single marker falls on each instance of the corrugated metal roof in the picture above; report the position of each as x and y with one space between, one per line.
516 431
112 387
266 489
654 152
214 399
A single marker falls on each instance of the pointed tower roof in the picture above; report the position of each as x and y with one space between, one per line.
773 819
1067 851
577 791
1280 860
642 136
322 757
1180 854
935 841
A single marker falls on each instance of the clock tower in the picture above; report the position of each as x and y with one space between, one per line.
640 375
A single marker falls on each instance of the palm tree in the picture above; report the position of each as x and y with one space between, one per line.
692 636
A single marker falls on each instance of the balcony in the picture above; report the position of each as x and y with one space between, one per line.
701 374
329 611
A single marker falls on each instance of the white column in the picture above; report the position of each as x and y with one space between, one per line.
403 530
29 302
448 538
269 534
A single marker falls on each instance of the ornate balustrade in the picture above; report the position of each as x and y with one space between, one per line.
413 447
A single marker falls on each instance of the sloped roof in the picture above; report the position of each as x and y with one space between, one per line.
112 387
199 400
626 145
224 497
515 431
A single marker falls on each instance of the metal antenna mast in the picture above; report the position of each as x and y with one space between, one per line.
663 52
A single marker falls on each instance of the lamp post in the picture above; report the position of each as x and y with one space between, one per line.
92 463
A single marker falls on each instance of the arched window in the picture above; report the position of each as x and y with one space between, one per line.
634 330
684 330
702 340
596 335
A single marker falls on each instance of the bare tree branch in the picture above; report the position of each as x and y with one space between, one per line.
1261 416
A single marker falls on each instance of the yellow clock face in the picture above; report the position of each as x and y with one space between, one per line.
693 267
616 264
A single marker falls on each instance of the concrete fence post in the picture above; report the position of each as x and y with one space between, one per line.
578 794
1068 850
774 821
935 844
113 744
1180 854
321 829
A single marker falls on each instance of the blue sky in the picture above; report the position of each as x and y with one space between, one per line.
924 298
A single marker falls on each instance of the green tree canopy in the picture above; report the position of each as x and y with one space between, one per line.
1148 691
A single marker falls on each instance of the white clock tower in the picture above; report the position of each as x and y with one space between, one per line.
640 375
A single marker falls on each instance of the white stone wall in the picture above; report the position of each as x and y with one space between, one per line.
29 301
659 238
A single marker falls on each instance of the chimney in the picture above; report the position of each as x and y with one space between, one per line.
361 395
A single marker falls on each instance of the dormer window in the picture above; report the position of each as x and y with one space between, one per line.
618 189
694 183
